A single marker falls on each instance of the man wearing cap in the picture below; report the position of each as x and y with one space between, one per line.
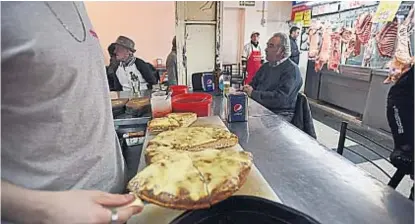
131 67
252 57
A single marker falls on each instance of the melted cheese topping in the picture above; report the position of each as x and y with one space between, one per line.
163 122
171 176
184 138
198 173
221 169
185 119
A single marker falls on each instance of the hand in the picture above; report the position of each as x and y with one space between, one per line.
248 89
82 206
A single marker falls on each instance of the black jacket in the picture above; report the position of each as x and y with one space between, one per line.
276 88
147 70
302 116
402 92
295 52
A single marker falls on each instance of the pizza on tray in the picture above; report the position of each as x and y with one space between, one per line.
171 121
194 139
191 180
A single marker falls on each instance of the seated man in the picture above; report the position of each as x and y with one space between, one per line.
130 67
277 82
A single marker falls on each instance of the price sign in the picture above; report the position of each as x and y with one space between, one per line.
298 18
307 18
386 11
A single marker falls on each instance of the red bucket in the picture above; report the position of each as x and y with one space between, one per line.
178 89
199 103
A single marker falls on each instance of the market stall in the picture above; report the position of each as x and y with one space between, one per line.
294 169
349 43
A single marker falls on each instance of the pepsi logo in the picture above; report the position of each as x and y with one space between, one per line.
209 81
237 108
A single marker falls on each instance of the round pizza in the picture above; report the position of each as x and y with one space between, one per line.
191 180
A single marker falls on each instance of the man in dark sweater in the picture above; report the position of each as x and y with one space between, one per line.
277 82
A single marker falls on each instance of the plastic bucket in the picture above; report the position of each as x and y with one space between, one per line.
178 89
199 103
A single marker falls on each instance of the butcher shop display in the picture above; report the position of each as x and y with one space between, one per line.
314 38
335 53
324 54
363 41
386 39
402 59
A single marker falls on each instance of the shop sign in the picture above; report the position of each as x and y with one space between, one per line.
300 8
386 11
345 5
326 8
246 3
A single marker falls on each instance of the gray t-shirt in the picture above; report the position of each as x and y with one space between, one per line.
57 126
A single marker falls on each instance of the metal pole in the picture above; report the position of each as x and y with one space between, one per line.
342 138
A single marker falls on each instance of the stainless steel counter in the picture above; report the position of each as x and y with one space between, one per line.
313 179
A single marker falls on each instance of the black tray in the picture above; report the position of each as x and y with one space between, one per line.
245 209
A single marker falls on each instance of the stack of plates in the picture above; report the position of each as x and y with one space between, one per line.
137 106
118 106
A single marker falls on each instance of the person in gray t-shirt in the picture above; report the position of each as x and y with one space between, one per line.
60 153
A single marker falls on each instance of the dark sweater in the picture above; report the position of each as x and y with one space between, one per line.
276 88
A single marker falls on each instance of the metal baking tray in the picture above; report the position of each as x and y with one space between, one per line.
245 209
131 131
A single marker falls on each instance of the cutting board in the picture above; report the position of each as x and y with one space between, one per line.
255 185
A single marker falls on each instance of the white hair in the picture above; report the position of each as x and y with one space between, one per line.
285 42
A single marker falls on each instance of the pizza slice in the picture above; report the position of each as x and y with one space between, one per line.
184 119
171 122
195 139
172 183
223 171
161 124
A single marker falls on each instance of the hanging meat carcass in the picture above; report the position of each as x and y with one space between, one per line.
367 55
386 39
402 59
357 46
324 53
314 38
335 55
351 46
364 27
346 34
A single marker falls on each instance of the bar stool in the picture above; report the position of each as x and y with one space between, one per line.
399 173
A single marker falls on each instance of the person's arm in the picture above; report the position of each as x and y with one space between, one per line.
245 54
20 205
279 97
145 72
